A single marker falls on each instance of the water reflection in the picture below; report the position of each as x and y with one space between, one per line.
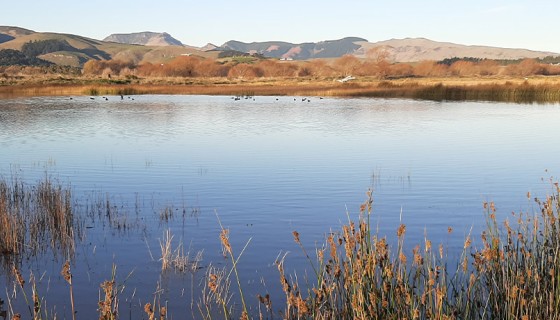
268 167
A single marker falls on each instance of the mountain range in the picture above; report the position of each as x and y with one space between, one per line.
154 47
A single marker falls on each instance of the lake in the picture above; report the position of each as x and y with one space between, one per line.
265 166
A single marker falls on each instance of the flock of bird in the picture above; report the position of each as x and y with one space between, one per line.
235 98
106 98
247 97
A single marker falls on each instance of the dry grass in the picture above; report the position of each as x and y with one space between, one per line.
507 89
36 218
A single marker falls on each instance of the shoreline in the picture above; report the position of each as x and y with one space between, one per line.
511 89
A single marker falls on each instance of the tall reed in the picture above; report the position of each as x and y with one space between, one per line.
514 275
35 218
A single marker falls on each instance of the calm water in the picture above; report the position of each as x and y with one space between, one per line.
265 167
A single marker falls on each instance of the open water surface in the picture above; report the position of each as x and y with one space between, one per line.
265 167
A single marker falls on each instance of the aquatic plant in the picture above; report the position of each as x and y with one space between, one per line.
360 274
36 218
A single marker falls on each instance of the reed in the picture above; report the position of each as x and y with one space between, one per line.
514 275
67 275
502 89
35 218
358 273
108 306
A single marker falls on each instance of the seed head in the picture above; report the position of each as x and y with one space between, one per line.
401 230
224 237
66 272
296 237
19 277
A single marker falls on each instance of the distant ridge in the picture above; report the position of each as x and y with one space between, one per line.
154 47
75 50
419 49
144 38
302 51
15 32
395 50
208 47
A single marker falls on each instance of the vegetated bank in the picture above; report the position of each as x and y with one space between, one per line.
519 90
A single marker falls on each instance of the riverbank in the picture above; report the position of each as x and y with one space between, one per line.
505 89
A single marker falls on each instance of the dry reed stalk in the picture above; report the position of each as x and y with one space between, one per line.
67 275
227 249
109 307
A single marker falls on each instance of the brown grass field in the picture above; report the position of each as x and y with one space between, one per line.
508 89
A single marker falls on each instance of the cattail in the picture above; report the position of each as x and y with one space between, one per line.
224 237
105 308
162 313
296 237
19 277
66 272
401 230
428 245
149 311
212 282
301 306
467 243
402 258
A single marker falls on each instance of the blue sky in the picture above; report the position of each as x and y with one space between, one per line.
513 23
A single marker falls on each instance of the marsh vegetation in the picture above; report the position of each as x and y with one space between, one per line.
509 271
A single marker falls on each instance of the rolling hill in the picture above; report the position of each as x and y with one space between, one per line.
395 50
78 49
75 50
302 51
15 31
419 49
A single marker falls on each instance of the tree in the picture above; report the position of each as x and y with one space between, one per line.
430 69
244 71
463 68
10 57
347 64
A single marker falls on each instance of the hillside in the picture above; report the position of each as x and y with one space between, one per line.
15 32
396 50
76 50
302 51
418 49
144 38
5 38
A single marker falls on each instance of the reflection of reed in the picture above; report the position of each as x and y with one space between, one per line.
35 219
